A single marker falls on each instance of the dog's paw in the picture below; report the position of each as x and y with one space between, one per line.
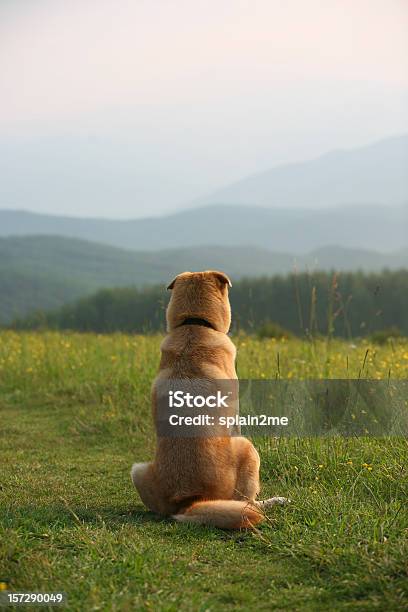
274 501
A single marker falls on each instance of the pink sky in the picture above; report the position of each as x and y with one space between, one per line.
224 88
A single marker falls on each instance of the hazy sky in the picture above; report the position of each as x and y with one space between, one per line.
127 108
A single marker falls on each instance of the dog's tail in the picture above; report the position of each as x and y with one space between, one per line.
227 514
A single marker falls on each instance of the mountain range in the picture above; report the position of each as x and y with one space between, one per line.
355 198
298 231
377 173
263 225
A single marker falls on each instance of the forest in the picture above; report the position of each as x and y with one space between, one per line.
346 305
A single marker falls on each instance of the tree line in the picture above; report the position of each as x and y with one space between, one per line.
345 304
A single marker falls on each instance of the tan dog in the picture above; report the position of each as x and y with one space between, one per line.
208 480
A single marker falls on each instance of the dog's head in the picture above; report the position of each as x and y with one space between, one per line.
200 295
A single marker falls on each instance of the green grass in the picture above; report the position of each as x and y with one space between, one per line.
75 414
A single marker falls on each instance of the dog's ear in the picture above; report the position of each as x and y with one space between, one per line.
223 278
173 282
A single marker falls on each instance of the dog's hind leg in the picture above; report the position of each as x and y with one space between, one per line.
247 481
144 480
138 472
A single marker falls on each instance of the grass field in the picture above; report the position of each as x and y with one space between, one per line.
75 414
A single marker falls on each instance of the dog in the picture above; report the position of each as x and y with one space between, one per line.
211 480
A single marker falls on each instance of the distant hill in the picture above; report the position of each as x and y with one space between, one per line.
375 173
78 167
356 198
44 272
378 228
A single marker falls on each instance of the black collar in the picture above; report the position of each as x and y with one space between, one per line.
196 321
